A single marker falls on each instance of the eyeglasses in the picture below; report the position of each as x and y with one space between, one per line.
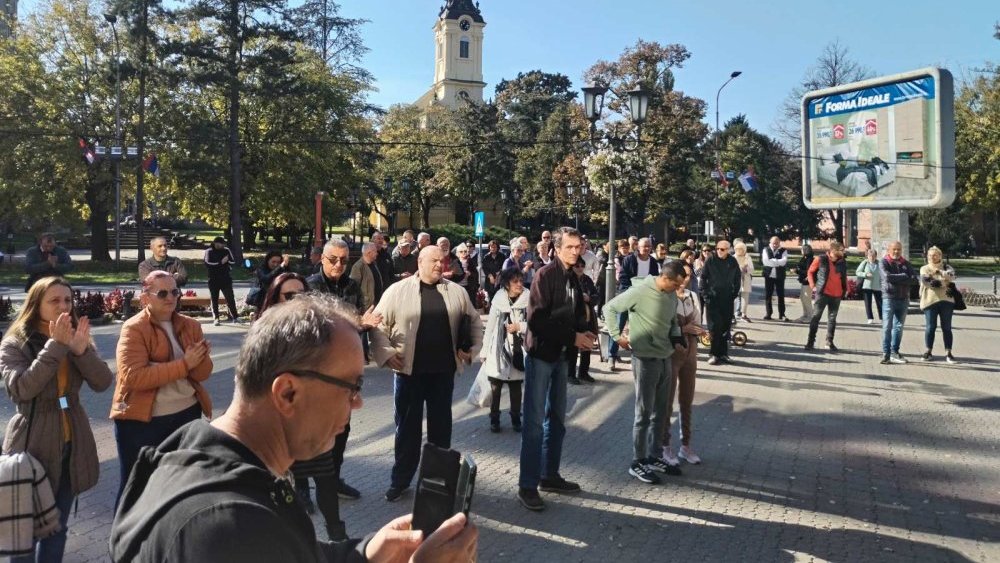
721 248
163 293
336 259
354 388
289 295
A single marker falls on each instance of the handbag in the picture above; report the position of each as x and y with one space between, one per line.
955 294
516 349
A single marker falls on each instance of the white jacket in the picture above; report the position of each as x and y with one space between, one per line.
500 307
400 309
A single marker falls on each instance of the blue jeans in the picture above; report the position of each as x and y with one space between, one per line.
613 348
133 435
50 549
410 392
544 420
893 317
944 310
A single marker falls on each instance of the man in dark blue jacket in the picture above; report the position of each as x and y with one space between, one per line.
638 264
555 309
897 277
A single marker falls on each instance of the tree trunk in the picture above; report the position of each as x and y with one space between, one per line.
95 195
425 209
234 131
837 217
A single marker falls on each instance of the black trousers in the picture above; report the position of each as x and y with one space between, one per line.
496 386
226 287
571 355
821 303
327 499
720 321
772 285
410 393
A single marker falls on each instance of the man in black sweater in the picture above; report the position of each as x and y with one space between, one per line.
219 261
220 491
719 285
555 309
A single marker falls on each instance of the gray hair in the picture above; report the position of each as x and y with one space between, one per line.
368 246
424 235
295 335
562 232
336 243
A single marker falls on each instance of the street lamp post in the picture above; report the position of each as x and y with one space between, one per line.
718 133
577 199
638 104
117 163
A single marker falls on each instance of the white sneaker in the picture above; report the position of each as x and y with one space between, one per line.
688 455
871 321
897 359
217 322
712 360
669 456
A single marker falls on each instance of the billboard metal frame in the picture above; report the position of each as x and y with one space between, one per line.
942 131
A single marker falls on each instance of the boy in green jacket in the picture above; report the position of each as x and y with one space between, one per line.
653 337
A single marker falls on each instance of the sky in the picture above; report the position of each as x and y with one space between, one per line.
772 42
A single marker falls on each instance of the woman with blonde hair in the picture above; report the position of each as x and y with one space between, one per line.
870 276
45 358
937 301
746 276
163 358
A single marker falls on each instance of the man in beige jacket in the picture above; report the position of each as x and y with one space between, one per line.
419 338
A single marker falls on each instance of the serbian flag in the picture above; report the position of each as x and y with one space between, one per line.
151 165
88 152
721 177
748 179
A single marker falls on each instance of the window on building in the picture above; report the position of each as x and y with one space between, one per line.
463 48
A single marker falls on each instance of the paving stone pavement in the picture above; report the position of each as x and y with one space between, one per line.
807 457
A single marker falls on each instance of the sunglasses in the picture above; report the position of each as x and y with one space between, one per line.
355 389
722 248
336 260
289 295
163 293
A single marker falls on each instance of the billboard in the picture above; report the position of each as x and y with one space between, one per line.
885 143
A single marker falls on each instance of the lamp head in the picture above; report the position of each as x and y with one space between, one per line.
593 100
111 18
735 73
638 104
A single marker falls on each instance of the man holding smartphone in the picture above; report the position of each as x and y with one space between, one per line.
222 491
555 308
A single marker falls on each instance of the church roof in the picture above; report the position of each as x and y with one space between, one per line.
454 9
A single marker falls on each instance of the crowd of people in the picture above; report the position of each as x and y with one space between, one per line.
244 476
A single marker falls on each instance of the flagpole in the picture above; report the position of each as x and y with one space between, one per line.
112 19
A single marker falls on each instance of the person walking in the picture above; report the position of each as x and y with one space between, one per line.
871 284
45 358
654 336
683 371
429 330
805 290
161 261
746 280
575 356
720 283
163 359
46 259
828 280
937 301
502 354
219 262
555 308
775 261
897 277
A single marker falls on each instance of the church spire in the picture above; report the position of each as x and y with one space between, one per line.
454 9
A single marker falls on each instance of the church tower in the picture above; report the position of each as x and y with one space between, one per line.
458 55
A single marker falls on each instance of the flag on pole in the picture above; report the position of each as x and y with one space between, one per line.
151 165
88 152
748 179
722 177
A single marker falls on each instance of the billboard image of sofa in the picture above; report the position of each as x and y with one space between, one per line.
886 143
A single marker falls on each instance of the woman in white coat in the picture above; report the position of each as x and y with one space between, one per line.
746 278
502 352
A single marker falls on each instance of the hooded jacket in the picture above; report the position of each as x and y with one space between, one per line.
204 496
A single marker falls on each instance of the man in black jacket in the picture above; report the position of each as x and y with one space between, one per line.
555 309
220 491
492 264
719 285
219 261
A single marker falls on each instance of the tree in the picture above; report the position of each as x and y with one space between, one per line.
834 67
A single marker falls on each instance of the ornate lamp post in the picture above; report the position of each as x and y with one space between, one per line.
578 199
638 104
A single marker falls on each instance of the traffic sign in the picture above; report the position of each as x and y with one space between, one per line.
480 223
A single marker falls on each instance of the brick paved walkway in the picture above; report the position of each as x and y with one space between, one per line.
808 457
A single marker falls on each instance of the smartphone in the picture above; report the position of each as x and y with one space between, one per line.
466 485
437 485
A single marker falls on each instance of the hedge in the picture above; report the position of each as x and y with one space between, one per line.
460 233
